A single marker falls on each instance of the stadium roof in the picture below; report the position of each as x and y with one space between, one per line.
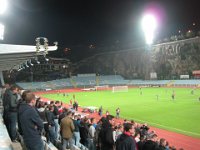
11 56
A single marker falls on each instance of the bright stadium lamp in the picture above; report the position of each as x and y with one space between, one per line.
1 31
3 6
149 25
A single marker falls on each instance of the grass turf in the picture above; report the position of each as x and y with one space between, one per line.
180 115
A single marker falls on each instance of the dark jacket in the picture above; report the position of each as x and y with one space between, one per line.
125 142
55 111
50 118
31 124
150 145
106 136
63 115
84 129
10 101
76 125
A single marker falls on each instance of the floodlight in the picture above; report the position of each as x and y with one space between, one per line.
26 64
3 6
30 62
19 68
149 25
36 59
46 59
1 31
37 62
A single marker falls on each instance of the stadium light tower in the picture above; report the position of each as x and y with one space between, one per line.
149 25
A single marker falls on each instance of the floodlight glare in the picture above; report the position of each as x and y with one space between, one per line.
3 6
1 31
149 25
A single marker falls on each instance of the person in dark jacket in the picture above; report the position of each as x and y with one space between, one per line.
12 103
151 143
84 128
63 115
51 124
31 124
125 140
76 133
162 145
106 134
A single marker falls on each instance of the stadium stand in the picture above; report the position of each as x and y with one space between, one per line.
91 81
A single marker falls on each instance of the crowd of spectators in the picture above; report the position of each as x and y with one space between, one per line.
27 116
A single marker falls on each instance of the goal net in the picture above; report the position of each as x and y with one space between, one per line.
102 87
119 89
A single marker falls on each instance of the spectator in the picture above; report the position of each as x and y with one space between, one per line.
91 133
42 110
117 112
151 143
141 142
62 115
67 128
56 114
12 103
126 141
76 134
51 124
107 113
31 124
84 131
162 145
100 111
106 134
119 131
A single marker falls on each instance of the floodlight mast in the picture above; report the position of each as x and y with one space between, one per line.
149 25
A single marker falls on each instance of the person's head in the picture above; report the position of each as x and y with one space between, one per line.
120 128
30 99
162 142
14 89
92 120
132 122
128 127
65 110
69 114
51 108
110 119
6 86
73 113
57 103
75 117
154 137
52 103
24 94
79 116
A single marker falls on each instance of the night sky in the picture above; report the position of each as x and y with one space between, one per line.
76 24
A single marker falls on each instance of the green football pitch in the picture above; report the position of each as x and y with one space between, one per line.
154 106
